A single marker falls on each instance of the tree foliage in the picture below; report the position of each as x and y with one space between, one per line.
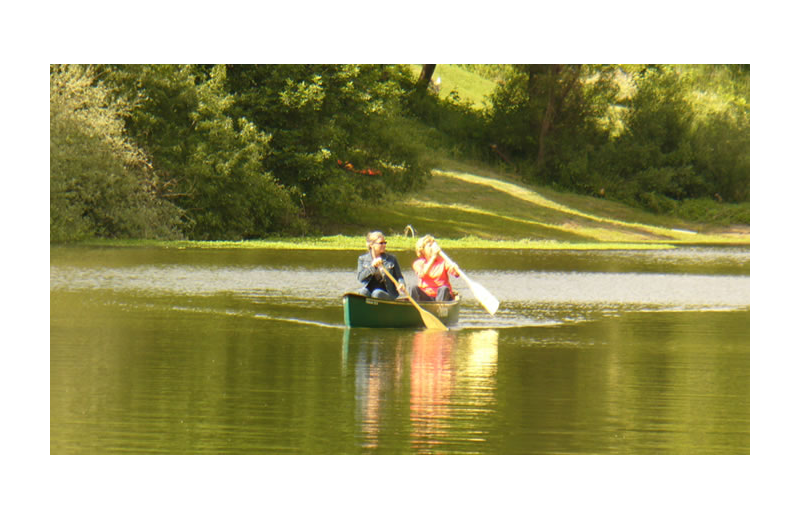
210 159
676 133
319 115
245 151
249 151
100 182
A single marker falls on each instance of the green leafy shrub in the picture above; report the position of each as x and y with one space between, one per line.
100 183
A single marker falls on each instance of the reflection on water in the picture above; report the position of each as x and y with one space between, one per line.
449 380
432 379
157 351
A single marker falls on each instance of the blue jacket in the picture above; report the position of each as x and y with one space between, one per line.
372 278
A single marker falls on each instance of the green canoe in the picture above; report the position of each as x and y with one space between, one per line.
361 311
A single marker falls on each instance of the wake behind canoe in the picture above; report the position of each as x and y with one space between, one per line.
361 311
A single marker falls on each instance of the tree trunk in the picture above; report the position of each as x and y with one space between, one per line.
425 76
558 83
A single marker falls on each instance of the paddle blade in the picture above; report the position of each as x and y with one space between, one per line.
431 321
484 297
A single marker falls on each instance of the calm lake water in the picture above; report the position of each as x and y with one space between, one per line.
245 351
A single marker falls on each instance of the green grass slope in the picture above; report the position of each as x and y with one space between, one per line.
469 202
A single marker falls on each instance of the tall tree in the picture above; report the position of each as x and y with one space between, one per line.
548 87
425 76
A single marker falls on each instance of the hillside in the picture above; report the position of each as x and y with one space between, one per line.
474 200
469 201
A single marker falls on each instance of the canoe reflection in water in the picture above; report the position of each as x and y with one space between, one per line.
427 390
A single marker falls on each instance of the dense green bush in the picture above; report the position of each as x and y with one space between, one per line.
100 183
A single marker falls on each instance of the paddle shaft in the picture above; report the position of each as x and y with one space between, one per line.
455 265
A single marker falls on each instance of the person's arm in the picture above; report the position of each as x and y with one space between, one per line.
426 266
365 269
452 269
449 267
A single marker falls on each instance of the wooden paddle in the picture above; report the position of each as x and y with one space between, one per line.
430 321
489 302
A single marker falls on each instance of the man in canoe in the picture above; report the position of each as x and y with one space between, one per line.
370 272
433 273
